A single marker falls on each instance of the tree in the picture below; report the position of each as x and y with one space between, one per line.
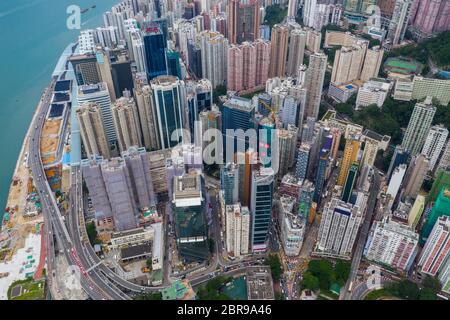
310 282
323 270
427 294
275 266
220 90
274 14
149 263
408 290
92 233
432 283
344 108
342 271
149 296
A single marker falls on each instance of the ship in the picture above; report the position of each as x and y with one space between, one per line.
87 9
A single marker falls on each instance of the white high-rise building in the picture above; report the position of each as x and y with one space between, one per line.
126 122
292 227
399 21
214 53
434 144
419 126
372 92
137 47
92 130
99 94
314 78
437 248
396 181
86 41
392 243
338 229
237 229
444 163
296 52
348 63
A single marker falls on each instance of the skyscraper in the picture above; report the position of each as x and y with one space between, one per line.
392 243
320 175
436 251
237 229
444 163
261 206
155 49
399 157
372 63
348 63
92 130
351 151
434 144
418 126
105 72
229 178
86 69
214 49
399 21
237 113
302 161
243 20
415 175
126 123
99 94
315 76
263 49
147 116
350 182
292 8
278 55
440 208
430 16
338 228
169 102
297 43
396 180
189 209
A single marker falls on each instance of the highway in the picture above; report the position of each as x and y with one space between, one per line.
362 236
53 221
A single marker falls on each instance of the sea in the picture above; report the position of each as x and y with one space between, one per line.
33 35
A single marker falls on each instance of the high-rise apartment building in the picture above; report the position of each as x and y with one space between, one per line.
444 162
440 208
297 44
419 126
99 94
314 78
436 251
214 49
338 228
415 175
434 144
392 243
399 21
372 63
348 63
430 16
237 228
292 226
244 20
92 130
126 123
302 161
279 42
248 65
147 116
